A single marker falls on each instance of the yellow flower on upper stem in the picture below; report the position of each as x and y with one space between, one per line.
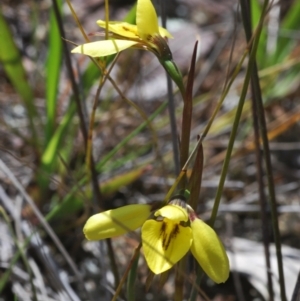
146 34
174 232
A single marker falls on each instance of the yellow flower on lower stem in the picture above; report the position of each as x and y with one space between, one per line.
174 232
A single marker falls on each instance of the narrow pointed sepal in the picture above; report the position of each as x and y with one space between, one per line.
146 19
116 222
103 48
209 251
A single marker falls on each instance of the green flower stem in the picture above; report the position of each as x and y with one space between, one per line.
175 74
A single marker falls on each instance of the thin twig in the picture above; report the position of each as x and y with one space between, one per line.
76 94
118 290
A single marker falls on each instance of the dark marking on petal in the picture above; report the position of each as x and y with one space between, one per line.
167 237
129 29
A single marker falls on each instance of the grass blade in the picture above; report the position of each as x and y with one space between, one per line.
53 66
11 59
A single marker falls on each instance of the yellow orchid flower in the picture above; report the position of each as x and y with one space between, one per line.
174 232
146 34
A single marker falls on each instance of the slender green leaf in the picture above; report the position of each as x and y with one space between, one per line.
51 151
53 67
285 44
131 291
261 50
11 59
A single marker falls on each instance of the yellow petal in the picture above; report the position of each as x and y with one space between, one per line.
209 251
103 48
146 19
164 244
123 29
116 222
173 212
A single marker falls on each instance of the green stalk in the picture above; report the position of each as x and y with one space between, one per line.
256 103
267 157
